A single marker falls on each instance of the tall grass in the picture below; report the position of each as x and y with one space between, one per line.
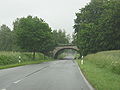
107 59
102 70
7 58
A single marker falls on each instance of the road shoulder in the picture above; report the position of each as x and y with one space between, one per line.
89 85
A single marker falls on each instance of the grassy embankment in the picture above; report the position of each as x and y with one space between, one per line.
102 70
11 59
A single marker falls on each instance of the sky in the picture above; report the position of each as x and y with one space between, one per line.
59 14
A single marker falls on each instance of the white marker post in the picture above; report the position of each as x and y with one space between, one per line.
82 60
19 59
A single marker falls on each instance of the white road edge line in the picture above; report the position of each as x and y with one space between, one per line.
89 85
17 81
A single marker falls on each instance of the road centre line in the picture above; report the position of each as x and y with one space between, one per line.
30 75
17 81
25 77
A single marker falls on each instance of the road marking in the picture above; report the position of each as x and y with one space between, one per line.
36 71
17 81
25 77
29 75
3 89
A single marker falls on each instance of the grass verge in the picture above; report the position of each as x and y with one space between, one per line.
99 69
11 59
22 64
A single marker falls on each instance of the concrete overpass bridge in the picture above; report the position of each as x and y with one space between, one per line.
63 47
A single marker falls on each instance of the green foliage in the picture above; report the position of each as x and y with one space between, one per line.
97 26
7 58
33 35
61 56
6 39
60 37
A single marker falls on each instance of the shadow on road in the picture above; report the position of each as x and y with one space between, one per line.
69 57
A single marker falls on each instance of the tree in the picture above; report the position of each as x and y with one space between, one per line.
33 35
60 37
6 38
97 26
109 23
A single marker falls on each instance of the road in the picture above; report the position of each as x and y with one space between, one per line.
54 75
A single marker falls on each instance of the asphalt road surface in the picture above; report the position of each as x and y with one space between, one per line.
54 75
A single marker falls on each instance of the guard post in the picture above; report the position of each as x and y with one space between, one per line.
82 62
19 59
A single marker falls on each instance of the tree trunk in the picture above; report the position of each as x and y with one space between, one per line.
33 55
44 56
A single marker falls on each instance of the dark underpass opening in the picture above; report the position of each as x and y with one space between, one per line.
66 54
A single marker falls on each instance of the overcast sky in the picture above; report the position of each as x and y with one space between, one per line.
59 14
